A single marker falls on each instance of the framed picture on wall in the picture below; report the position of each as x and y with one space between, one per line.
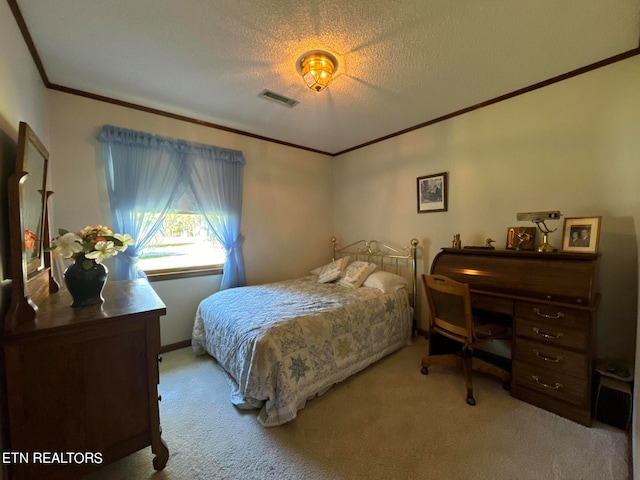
432 193
581 234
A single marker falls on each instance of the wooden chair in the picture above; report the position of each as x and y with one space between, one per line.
451 316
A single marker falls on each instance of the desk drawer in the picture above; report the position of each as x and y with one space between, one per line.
492 304
554 358
549 333
563 387
562 316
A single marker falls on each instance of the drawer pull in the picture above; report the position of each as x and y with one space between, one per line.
557 386
545 315
547 359
547 335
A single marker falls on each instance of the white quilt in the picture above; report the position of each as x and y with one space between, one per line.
285 342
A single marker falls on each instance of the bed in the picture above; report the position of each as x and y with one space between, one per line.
283 343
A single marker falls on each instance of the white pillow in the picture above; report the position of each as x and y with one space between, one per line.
387 282
331 271
356 273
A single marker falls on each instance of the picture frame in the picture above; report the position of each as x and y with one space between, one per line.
432 192
521 238
581 234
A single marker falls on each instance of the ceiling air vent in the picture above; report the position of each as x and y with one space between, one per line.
281 99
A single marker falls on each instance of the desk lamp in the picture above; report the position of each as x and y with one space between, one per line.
539 218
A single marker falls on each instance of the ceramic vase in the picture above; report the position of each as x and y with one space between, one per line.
85 279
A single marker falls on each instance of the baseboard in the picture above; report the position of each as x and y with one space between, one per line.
175 346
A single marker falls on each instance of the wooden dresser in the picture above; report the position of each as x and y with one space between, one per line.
84 380
552 300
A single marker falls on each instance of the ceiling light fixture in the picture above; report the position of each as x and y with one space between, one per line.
317 69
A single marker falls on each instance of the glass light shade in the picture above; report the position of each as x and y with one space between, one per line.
317 70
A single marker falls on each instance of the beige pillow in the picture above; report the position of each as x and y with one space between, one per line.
356 273
331 271
386 282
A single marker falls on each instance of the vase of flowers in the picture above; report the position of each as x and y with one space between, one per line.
86 277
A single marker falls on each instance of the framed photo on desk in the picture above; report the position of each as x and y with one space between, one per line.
581 234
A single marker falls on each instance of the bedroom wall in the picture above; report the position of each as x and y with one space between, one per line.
282 185
22 98
572 146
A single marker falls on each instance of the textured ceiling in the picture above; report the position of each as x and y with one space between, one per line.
401 62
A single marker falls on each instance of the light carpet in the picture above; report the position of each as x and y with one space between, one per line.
387 422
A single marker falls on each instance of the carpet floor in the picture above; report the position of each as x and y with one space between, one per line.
387 422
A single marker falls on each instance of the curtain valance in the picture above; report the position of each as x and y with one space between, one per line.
123 136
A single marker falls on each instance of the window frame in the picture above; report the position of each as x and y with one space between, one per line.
183 272
160 274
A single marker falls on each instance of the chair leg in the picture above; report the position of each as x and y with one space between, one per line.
467 367
464 357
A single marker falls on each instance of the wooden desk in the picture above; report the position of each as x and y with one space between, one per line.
85 380
552 300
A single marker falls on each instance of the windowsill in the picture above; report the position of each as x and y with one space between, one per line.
175 274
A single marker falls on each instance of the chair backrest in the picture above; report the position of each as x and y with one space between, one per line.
449 307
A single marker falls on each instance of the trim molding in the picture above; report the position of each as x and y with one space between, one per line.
61 88
515 93
175 116
175 346
17 14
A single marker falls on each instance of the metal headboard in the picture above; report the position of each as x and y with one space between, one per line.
388 258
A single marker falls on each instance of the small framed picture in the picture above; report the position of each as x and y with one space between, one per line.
432 193
521 238
581 234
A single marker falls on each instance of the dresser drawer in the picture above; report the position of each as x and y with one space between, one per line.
554 384
554 358
562 316
552 334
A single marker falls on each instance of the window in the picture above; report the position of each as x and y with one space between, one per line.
143 172
182 243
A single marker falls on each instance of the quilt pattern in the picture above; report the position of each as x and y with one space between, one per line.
286 342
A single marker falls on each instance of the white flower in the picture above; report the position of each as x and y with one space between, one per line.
102 250
68 244
126 240
93 242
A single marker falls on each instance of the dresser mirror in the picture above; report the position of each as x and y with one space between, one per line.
28 227
33 159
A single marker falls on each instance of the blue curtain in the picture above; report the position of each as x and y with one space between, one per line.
143 174
216 181
146 173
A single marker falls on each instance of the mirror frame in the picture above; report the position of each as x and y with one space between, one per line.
31 277
28 142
